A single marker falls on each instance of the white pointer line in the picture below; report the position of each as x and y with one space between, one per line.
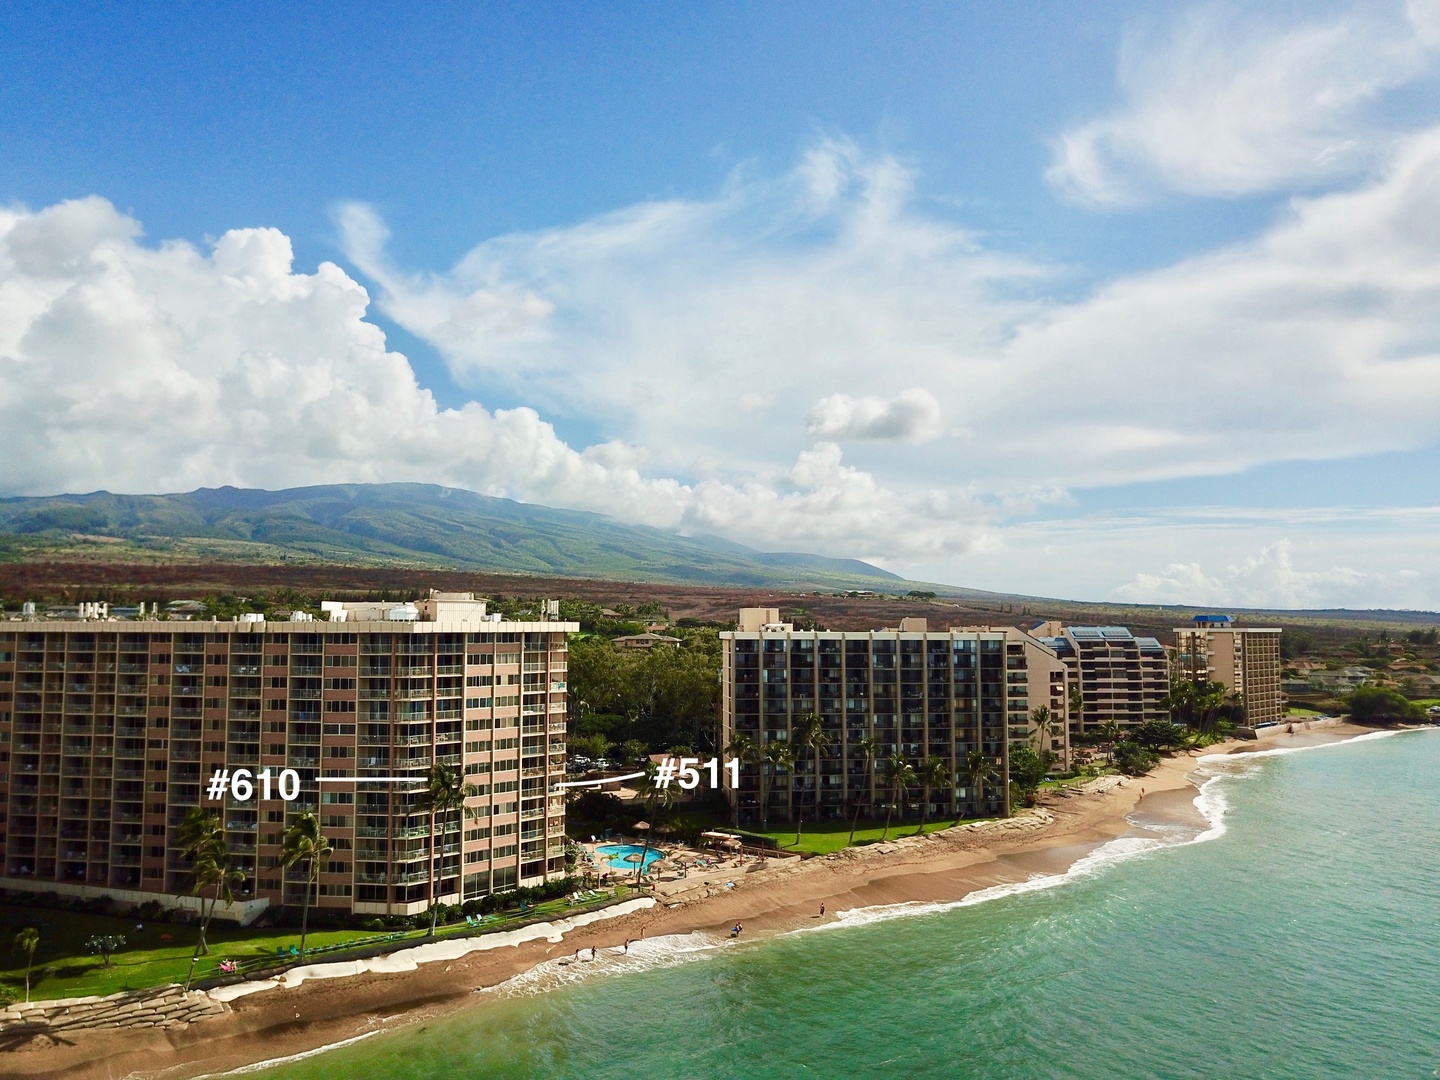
372 780
597 783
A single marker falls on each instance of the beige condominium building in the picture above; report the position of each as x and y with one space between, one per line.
1121 677
1045 682
915 691
1245 658
114 729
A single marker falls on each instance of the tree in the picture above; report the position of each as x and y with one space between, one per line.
593 747
1077 708
634 752
105 945
202 840
1110 732
1046 726
1201 704
305 843
654 797
743 749
1027 770
1158 735
979 770
810 734
27 941
933 773
901 775
777 756
1133 759
445 793
1379 705
865 746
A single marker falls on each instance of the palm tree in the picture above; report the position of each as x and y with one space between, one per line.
934 773
654 796
202 838
743 749
445 792
777 756
865 746
305 843
979 770
1077 708
1110 732
27 941
901 775
810 734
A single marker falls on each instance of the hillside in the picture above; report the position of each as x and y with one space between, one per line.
401 525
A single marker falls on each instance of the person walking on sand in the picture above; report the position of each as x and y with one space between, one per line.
822 911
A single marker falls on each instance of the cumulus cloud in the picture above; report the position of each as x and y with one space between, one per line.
912 416
675 323
145 368
1221 103
1268 578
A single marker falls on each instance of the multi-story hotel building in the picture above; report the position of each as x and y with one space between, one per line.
111 730
1245 659
915 691
1121 677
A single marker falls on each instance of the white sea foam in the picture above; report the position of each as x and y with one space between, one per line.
1281 751
271 1063
451 949
1210 801
645 954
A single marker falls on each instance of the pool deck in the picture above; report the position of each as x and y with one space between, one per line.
707 873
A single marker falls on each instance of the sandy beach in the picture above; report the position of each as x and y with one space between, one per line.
768 898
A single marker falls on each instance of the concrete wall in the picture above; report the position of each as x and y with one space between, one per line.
243 912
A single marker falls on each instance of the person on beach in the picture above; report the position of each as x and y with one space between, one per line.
822 911
593 953
627 945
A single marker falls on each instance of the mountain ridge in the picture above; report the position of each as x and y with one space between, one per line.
407 524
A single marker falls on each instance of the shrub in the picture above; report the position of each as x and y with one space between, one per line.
1133 759
1379 705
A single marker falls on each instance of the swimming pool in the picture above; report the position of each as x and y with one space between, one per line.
627 856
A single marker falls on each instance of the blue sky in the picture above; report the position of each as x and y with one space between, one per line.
1095 300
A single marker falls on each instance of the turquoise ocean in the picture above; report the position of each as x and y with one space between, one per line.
1299 936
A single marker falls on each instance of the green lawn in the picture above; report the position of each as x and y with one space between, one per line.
64 969
1302 713
821 838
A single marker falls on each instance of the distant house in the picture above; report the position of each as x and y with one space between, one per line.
1341 681
647 641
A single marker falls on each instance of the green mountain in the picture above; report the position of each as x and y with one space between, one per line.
405 525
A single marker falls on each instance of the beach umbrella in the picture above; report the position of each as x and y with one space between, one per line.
641 825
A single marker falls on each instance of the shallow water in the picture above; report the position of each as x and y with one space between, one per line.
1299 937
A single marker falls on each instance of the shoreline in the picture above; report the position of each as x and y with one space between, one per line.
939 869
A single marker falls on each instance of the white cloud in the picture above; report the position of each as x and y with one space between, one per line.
672 324
697 337
912 416
139 368
1266 579
1226 104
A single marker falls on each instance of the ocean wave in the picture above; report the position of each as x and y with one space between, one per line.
272 1063
1210 800
645 954
1282 751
